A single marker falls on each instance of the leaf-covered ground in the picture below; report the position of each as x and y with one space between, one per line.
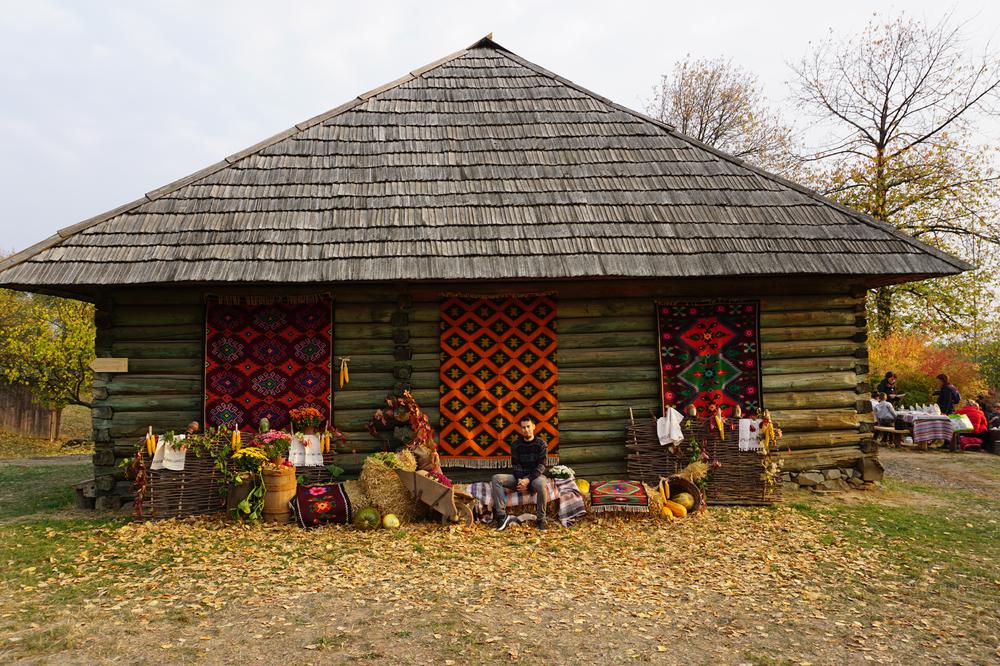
897 576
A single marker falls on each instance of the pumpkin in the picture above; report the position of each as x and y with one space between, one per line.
684 499
675 508
583 485
666 513
367 519
390 521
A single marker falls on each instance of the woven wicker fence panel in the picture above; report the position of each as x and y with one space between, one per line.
193 491
737 481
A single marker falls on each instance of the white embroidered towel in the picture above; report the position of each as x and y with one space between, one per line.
167 456
297 452
313 451
749 429
668 427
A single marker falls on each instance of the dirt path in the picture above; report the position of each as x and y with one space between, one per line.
49 461
971 471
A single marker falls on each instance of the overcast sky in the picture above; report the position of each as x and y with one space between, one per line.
101 102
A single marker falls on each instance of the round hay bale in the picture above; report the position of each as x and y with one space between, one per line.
359 500
386 492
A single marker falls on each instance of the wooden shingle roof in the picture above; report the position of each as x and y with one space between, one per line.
479 166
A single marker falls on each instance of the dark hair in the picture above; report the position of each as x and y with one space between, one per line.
875 394
890 374
882 396
943 377
524 418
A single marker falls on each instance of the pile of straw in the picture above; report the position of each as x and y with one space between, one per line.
655 499
386 491
359 500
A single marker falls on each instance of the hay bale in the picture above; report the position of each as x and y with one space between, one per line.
359 500
385 490
406 460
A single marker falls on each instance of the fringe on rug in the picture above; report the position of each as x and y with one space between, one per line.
614 508
491 297
488 463
261 299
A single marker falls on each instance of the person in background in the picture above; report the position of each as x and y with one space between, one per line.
885 413
874 401
978 420
888 386
992 415
947 396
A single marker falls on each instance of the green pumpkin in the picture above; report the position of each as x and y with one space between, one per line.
367 519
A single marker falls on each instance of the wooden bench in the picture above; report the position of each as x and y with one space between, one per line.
890 436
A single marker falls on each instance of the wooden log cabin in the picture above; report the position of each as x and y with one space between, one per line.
483 174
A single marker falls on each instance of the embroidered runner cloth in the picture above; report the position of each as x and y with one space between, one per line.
322 503
498 363
710 355
262 360
618 495
564 491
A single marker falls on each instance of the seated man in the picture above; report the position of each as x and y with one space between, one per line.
527 459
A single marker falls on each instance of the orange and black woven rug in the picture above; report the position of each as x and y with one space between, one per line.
498 364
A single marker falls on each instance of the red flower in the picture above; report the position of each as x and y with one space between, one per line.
751 390
749 363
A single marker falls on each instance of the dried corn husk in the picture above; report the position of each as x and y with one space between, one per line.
655 499
694 472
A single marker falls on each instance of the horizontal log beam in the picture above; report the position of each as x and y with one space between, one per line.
152 384
809 399
811 348
638 356
841 456
789 333
815 419
779 366
810 381
160 349
817 440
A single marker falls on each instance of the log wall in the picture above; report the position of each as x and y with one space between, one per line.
812 345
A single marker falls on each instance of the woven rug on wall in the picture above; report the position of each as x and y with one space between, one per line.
263 359
498 363
710 355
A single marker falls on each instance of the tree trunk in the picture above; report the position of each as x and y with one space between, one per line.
883 311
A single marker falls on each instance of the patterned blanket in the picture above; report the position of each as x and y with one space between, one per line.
262 360
710 355
498 363
930 428
564 491
618 495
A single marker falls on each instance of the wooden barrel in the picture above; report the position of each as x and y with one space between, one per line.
279 489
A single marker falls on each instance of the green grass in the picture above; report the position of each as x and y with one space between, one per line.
27 490
936 534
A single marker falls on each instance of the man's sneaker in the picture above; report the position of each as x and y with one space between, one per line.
504 523
540 525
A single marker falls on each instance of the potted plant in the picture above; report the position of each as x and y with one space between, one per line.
246 489
278 475
306 420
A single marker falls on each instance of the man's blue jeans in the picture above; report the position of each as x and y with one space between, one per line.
503 481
